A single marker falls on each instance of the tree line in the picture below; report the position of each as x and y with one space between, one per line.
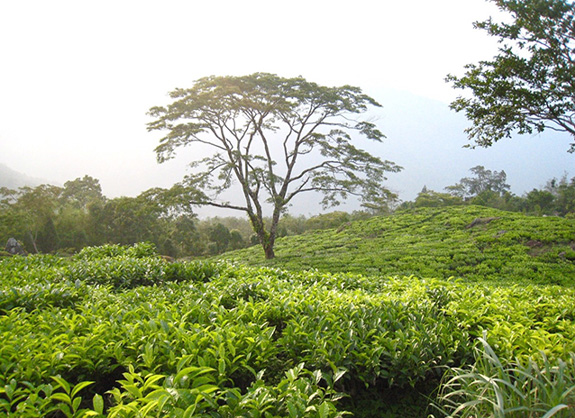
489 188
65 219
52 219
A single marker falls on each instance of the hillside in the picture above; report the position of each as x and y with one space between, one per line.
469 242
117 331
13 179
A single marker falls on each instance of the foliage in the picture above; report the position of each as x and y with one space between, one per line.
64 220
563 191
225 340
139 250
483 181
328 220
506 247
430 198
528 86
489 388
276 137
489 189
81 192
124 267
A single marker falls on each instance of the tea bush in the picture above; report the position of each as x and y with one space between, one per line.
122 333
471 242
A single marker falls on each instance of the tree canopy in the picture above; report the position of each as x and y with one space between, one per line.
530 85
483 180
276 138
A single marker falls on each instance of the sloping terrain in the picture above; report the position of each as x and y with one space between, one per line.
13 179
469 242
118 332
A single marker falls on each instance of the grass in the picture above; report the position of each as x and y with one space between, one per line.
537 388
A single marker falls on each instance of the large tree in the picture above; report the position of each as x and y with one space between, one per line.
530 85
275 137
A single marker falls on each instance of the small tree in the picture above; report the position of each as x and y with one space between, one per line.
82 191
564 192
539 202
219 237
277 138
431 198
483 181
38 207
529 86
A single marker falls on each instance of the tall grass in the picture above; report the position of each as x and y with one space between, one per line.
490 388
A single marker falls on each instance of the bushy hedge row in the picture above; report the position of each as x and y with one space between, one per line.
224 340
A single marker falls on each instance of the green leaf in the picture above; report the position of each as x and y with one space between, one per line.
222 367
554 410
98 403
151 380
76 403
338 375
293 411
62 383
62 397
148 408
79 387
189 412
324 410
133 390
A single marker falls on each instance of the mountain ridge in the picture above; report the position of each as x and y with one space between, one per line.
13 179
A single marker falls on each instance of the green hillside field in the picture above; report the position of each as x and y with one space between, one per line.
462 312
468 242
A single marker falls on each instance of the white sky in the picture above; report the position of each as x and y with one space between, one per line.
77 77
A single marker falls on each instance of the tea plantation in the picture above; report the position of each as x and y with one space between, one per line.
118 332
470 242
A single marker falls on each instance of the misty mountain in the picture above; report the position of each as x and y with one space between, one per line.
427 138
13 179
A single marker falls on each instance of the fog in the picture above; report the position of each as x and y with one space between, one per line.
78 79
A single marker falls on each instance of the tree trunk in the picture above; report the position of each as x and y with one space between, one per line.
269 251
266 240
33 240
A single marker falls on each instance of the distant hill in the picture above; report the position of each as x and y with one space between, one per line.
13 179
469 242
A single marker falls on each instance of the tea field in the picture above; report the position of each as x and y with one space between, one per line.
119 332
471 242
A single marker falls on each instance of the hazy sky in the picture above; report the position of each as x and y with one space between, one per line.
78 77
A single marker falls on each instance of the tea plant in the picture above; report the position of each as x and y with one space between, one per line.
475 243
218 339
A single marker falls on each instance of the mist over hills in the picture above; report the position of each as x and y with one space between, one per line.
423 135
431 148
13 179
